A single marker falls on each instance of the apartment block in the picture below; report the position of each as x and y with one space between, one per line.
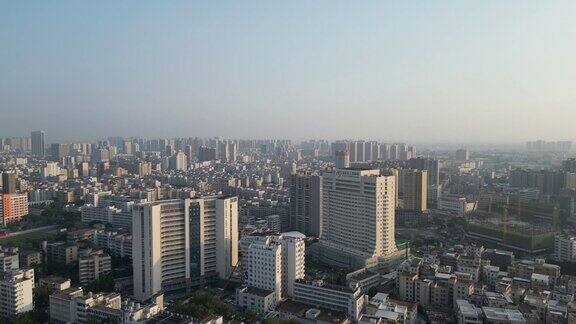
92 264
213 236
160 246
16 288
61 252
13 207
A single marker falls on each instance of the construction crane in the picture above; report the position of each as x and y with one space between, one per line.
505 221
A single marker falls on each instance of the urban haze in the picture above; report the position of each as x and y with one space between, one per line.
310 162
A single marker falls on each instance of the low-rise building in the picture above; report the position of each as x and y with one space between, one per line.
256 299
29 259
502 315
55 283
119 244
303 313
364 279
467 313
539 282
92 264
72 305
16 288
455 205
9 259
61 252
564 248
324 295
382 309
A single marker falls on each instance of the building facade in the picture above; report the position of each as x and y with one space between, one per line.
160 249
306 204
358 217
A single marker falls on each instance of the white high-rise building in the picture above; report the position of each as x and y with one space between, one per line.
227 151
160 246
358 217
214 236
16 290
226 235
178 162
264 266
52 169
273 264
293 260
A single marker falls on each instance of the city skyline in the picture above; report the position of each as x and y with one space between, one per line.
415 72
288 162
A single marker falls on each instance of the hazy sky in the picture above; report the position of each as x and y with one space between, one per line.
458 71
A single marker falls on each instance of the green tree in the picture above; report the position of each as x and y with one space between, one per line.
104 283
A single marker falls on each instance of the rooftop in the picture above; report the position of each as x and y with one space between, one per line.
493 313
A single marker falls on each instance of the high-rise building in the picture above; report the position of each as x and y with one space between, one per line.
413 190
189 151
394 152
306 204
144 168
38 143
160 249
340 146
293 260
9 183
206 154
169 151
385 151
342 159
376 151
358 209
569 165
52 169
102 155
360 151
226 236
213 236
430 165
227 151
127 147
264 266
287 170
353 151
462 155
368 150
59 150
178 162
84 168
273 264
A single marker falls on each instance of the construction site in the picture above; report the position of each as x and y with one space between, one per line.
524 227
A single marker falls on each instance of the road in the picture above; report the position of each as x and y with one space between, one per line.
32 230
